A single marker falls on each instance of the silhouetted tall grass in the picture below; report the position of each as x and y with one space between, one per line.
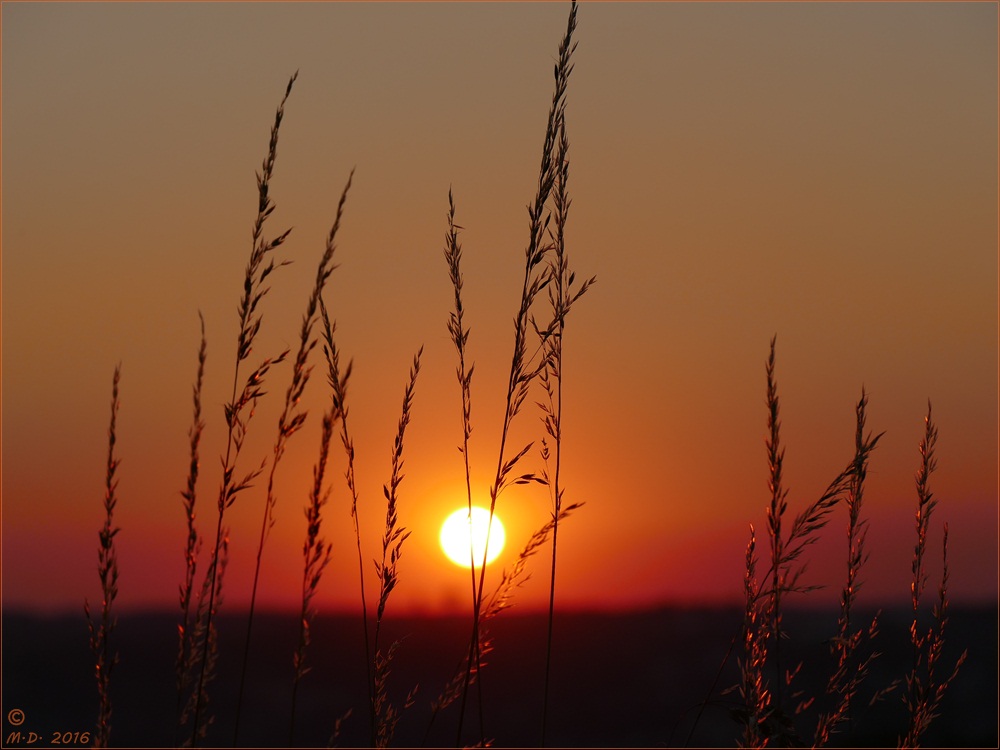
460 337
767 687
562 295
925 687
770 704
316 551
259 267
186 628
524 369
291 419
386 714
107 568
338 380
852 667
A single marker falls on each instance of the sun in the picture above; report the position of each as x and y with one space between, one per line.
456 532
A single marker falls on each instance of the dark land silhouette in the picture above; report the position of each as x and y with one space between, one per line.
619 679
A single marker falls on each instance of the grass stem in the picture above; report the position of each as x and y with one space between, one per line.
338 381
258 269
290 421
107 569
192 548
522 371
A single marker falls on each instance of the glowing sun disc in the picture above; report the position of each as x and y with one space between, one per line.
457 530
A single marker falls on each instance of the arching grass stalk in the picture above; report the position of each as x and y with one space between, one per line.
107 569
338 381
259 267
522 370
289 422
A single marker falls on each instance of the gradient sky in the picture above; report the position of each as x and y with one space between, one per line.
823 172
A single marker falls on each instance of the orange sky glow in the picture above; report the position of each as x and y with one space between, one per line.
825 173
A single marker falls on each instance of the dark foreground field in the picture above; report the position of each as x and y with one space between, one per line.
618 680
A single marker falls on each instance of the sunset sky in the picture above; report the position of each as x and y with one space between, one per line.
826 173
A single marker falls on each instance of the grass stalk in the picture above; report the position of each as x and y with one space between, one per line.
553 425
193 541
316 551
754 688
204 643
338 381
259 267
775 512
925 506
561 295
925 687
107 569
460 337
471 665
764 722
523 370
290 421
764 706
850 670
805 527
386 715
